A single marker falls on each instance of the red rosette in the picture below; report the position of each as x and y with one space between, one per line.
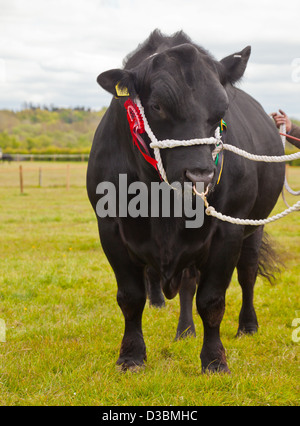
134 117
137 127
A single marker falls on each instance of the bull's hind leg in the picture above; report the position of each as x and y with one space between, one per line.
131 297
247 269
152 279
187 291
187 282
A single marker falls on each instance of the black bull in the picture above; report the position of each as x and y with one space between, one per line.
185 94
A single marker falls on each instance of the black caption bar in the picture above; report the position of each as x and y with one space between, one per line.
131 415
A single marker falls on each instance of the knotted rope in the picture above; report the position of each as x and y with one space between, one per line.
172 143
217 141
286 184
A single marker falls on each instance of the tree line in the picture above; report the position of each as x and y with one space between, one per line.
42 129
48 129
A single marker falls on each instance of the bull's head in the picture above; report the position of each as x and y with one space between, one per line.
183 92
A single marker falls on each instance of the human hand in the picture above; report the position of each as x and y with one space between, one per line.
282 118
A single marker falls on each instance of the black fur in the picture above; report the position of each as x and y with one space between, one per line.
185 93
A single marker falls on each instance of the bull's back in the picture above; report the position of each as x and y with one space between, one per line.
251 129
254 124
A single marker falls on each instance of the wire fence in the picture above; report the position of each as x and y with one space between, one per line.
43 157
42 175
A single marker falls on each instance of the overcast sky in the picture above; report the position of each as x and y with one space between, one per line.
52 51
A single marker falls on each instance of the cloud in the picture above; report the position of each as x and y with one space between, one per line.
53 51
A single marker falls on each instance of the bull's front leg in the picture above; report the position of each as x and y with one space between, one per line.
131 299
131 296
215 278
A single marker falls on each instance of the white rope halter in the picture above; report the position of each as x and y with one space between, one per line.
210 211
286 184
156 145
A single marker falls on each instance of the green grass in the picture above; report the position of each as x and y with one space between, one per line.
64 327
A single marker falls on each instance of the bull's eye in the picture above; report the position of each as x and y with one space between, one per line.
155 107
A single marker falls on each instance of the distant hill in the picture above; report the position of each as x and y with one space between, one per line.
51 130
45 130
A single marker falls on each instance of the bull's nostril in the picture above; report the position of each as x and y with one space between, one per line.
194 177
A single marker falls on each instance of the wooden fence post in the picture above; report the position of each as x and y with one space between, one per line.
68 177
40 177
21 179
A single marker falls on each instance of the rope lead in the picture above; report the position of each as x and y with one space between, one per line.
219 145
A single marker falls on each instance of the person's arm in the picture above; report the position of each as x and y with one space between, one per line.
282 118
291 128
295 131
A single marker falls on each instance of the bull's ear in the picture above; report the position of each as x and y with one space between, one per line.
117 81
235 65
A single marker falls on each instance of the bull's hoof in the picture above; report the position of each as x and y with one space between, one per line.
213 359
247 329
216 367
134 366
187 332
157 302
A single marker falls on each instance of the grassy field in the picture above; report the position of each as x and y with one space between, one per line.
64 327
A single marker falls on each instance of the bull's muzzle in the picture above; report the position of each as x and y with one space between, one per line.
196 176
